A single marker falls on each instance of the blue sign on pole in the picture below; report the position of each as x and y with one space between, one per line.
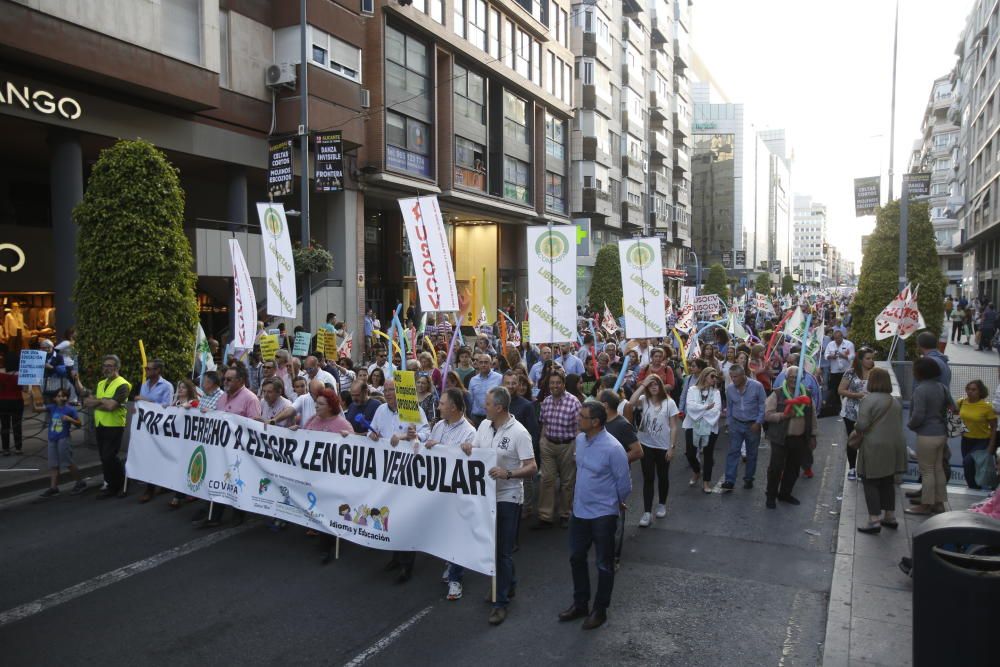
32 369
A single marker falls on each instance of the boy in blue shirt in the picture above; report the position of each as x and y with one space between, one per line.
60 447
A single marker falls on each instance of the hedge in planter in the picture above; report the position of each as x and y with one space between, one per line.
135 265
607 284
717 282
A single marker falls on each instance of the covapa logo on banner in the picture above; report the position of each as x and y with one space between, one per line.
642 288
281 293
431 254
552 283
640 256
197 468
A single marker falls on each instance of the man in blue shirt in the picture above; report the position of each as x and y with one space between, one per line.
479 386
361 405
569 361
156 389
603 484
745 400
535 374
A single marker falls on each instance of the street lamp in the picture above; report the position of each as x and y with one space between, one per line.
697 270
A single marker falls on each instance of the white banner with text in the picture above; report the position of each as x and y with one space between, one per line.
642 288
431 254
552 283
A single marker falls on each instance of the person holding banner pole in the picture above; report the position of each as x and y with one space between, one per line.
515 461
387 425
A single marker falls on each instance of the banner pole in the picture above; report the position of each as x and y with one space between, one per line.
336 549
494 584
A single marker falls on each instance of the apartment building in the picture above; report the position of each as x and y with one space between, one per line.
808 240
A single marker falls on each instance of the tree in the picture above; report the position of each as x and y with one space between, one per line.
717 282
135 266
787 284
878 284
607 284
763 284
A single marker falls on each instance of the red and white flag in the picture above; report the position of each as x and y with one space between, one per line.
608 323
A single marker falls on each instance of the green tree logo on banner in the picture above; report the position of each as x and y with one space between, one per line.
639 256
552 246
197 467
272 221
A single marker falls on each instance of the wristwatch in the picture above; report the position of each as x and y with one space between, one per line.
509 474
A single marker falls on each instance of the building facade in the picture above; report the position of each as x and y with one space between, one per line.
808 241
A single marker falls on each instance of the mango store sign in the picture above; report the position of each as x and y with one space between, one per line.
42 101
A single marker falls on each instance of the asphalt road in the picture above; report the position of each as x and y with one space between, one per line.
721 580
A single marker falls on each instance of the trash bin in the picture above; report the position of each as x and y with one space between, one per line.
956 586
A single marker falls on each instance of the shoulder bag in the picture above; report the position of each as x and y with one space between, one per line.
854 440
954 423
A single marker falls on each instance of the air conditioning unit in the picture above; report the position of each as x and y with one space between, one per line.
280 74
366 98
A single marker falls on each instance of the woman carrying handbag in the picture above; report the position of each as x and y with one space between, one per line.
878 437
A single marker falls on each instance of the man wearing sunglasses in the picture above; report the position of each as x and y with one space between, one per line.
108 404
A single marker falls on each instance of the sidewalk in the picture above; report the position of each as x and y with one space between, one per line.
870 617
968 354
30 470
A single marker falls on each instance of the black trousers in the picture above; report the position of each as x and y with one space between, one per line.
956 331
880 494
11 413
852 454
707 455
654 465
783 469
833 389
109 443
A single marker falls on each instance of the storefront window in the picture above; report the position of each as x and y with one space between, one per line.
470 164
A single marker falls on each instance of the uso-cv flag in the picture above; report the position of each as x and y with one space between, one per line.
439 501
245 301
278 260
431 256
642 287
552 283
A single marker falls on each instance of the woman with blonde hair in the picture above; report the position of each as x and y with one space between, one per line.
703 408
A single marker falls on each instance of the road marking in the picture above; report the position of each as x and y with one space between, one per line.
383 643
114 576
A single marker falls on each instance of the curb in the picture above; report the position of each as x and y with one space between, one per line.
42 481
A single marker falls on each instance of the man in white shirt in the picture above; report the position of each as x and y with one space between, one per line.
387 424
382 361
303 407
314 372
515 461
840 353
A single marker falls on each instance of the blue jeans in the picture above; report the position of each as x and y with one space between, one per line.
970 445
508 518
738 432
601 533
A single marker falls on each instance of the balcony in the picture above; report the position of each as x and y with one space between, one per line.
659 29
632 122
661 221
632 167
631 7
682 196
940 104
591 150
597 202
661 182
659 144
682 226
682 161
660 62
631 214
682 123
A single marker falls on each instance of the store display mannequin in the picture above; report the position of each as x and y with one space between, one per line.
14 322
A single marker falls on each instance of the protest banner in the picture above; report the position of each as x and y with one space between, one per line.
707 304
901 317
438 501
281 293
642 287
268 346
32 368
245 300
552 283
688 295
763 303
406 397
685 319
431 254
300 348
525 330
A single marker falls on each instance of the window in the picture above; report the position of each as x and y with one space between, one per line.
494 29
368 7
180 23
516 180
564 28
407 144
437 10
406 62
523 55
459 23
509 46
567 91
224 65
555 137
477 23
470 94
550 84
335 55
555 198
536 63
470 164
515 118
588 72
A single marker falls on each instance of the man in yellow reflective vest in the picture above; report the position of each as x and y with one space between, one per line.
108 403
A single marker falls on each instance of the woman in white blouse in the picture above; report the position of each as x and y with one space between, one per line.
703 407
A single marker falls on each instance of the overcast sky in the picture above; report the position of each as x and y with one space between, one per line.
823 71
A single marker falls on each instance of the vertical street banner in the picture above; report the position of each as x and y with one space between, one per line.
329 176
552 283
918 184
867 195
439 501
406 397
245 316
431 255
279 168
642 287
281 293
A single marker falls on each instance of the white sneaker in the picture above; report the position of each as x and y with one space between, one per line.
661 511
444 575
646 519
852 475
454 590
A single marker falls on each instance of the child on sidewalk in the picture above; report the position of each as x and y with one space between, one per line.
60 447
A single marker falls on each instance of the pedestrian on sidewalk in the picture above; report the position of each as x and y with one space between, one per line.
927 346
881 453
929 420
603 485
853 387
841 354
11 409
108 404
793 429
659 428
980 419
957 317
61 417
987 327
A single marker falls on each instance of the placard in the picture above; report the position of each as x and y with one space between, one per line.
300 348
32 369
268 346
707 304
329 175
406 397
279 168
552 283
277 248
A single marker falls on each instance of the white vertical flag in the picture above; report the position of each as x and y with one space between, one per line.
431 255
245 301
642 287
281 293
552 283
